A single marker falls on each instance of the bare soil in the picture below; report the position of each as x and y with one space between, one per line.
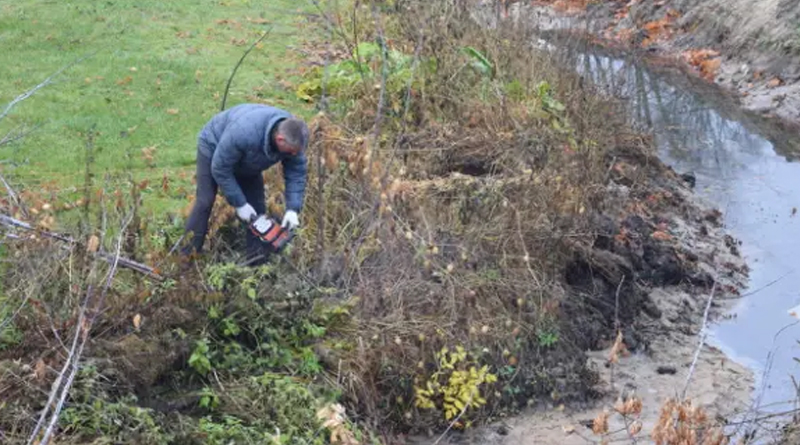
664 341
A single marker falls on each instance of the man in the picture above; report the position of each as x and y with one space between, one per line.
233 150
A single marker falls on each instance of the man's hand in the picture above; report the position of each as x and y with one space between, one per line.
246 213
290 220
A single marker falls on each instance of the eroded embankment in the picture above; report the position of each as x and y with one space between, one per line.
659 256
751 48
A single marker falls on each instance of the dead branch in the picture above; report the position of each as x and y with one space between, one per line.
13 195
12 137
703 336
43 84
82 330
109 258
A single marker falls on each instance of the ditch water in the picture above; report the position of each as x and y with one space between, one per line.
745 166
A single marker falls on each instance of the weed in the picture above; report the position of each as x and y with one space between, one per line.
455 387
93 413
199 359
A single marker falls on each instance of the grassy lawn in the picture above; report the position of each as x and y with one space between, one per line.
158 74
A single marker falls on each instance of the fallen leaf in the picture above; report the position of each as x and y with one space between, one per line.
568 429
661 235
93 244
125 81
709 68
600 423
137 321
172 111
40 370
775 82
133 69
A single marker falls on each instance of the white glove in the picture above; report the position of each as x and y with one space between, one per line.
290 220
246 212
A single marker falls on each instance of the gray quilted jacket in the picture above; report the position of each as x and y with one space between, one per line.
238 144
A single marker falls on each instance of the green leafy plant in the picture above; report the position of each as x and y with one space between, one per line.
455 386
479 62
208 398
199 360
547 339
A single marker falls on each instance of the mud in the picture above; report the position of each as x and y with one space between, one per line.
758 44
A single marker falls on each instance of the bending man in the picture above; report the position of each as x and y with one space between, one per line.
233 150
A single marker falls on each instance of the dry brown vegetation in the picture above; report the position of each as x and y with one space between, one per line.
462 248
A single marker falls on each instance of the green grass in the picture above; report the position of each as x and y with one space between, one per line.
154 57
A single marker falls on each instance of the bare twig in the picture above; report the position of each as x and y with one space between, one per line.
13 195
766 286
457 419
703 335
233 73
44 83
376 131
8 138
57 383
83 330
616 324
123 262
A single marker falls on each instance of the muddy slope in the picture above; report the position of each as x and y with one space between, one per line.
661 254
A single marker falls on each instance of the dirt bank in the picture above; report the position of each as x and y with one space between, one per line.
664 338
751 48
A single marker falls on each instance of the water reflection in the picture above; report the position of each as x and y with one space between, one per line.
743 166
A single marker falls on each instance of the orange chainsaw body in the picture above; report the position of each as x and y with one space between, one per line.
274 235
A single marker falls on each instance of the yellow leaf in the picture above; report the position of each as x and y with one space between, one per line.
40 370
93 244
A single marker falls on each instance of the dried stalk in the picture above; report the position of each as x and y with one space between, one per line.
702 341
82 328
13 195
109 258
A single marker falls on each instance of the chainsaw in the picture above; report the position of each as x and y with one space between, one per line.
270 232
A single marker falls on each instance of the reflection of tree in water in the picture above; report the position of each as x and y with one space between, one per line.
703 133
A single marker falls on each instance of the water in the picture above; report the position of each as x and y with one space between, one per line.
745 166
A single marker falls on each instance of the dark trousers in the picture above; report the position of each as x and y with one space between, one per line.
197 224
